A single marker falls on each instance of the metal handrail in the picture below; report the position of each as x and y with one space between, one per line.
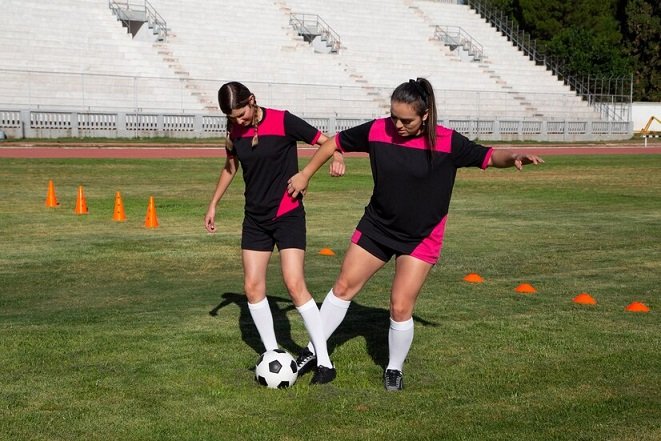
610 105
116 8
457 36
152 17
313 24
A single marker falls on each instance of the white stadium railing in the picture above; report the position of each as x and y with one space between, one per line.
61 124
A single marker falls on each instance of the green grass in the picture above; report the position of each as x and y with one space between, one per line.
105 332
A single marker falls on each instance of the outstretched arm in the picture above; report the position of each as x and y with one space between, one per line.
299 182
507 158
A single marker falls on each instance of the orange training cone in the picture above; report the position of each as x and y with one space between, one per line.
119 214
151 221
51 199
584 299
637 307
473 278
81 202
525 288
326 252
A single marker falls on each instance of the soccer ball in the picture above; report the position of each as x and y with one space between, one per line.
276 369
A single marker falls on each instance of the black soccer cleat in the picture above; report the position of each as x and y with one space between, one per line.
393 380
306 361
323 375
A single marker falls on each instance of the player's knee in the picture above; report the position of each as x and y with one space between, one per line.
344 290
254 288
295 286
401 311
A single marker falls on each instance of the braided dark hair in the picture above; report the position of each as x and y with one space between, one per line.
234 95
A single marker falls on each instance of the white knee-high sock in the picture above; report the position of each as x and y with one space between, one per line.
263 319
313 324
400 338
332 312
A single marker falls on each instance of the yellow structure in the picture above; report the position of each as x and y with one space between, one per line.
647 133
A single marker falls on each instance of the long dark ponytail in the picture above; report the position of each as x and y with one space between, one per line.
419 93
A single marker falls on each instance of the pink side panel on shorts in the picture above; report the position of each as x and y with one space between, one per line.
355 237
287 204
429 250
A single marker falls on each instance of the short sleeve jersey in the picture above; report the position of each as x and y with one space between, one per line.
412 185
268 166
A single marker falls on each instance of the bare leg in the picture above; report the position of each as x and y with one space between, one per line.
357 268
254 284
292 262
410 275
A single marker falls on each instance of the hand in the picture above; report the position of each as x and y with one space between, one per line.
520 160
209 220
337 167
297 184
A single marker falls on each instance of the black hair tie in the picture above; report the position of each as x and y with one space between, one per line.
421 90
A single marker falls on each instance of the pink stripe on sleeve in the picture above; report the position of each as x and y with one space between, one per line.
338 143
485 163
316 138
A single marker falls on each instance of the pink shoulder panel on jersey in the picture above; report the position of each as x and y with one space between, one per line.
272 125
383 130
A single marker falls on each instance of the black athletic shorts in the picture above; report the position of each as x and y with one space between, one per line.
376 249
287 231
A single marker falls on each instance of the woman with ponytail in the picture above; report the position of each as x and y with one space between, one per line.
414 163
263 142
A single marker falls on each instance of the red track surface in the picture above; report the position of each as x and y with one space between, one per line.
114 150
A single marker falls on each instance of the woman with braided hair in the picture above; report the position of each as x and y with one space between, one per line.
414 163
263 141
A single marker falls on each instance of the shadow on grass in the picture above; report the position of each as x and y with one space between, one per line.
249 333
361 321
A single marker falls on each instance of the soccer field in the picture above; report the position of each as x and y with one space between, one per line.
105 331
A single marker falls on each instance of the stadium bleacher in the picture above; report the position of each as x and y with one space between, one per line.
74 55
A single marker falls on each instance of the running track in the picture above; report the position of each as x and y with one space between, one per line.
128 151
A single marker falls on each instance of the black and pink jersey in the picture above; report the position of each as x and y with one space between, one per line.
268 166
412 189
